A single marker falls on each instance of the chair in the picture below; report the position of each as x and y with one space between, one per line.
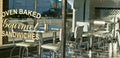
102 34
75 45
85 35
27 43
54 47
78 34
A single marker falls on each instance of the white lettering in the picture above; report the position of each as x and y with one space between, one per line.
34 14
10 11
20 11
7 13
25 12
4 14
38 15
15 11
29 13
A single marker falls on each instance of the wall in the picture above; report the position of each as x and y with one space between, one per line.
5 5
102 4
106 3
1 5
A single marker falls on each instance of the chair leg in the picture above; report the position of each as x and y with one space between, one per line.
20 52
11 52
20 49
23 52
27 51
53 55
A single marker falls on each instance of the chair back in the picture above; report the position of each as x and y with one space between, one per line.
60 34
85 24
100 25
78 32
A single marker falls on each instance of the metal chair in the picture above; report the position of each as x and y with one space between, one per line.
101 35
74 46
85 34
54 47
24 46
78 35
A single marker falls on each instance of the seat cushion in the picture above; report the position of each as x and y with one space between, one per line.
50 46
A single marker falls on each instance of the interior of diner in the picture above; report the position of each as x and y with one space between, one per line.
60 29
